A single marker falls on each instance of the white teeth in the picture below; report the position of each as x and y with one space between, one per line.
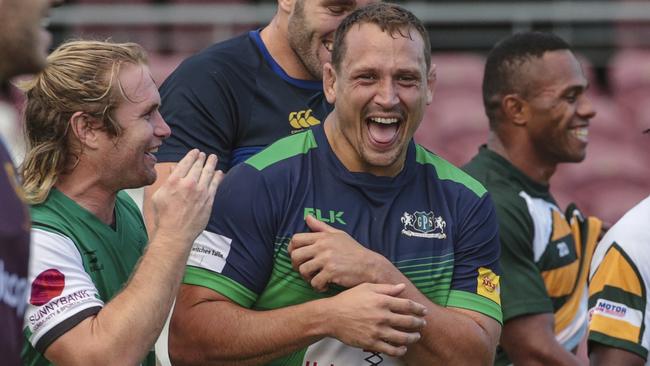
581 133
385 121
328 45
154 150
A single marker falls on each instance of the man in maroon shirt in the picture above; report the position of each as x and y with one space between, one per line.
23 48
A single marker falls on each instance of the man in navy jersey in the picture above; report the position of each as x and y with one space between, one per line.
348 244
23 47
238 96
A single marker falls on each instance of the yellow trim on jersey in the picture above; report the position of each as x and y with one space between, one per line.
615 271
614 328
560 226
560 281
565 315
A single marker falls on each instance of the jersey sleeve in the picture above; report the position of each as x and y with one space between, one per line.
617 303
475 282
234 254
199 103
62 293
522 289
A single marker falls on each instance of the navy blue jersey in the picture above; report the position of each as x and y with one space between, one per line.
232 99
432 221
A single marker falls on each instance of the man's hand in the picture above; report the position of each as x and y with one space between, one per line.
372 317
183 204
328 255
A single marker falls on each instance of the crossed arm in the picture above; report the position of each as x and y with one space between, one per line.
381 311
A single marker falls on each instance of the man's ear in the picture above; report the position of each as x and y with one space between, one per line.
515 109
431 83
286 6
86 129
329 82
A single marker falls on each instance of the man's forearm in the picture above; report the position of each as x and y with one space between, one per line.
240 336
451 336
140 310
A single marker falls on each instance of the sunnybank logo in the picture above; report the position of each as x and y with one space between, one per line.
488 284
302 119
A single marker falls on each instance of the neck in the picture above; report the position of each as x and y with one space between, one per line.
521 154
276 39
83 186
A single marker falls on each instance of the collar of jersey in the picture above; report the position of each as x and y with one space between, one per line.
367 180
304 84
507 169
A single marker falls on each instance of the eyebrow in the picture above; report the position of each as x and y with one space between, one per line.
151 108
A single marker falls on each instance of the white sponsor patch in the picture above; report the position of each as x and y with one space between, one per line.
210 251
618 311
331 352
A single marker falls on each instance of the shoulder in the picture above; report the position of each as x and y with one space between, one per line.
283 150
236 57
445 171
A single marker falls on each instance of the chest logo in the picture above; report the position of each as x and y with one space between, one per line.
302 119
423 225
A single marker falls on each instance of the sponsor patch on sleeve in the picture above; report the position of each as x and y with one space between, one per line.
488 285
210 252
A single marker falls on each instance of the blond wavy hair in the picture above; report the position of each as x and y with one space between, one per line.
80 76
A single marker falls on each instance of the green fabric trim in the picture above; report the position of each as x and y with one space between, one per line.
221 284
470 301
282 149
606 340
448 171
536 306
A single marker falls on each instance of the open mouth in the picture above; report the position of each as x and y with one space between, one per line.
150 152
581 133
383 130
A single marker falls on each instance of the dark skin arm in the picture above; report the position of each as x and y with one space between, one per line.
539 347
601 354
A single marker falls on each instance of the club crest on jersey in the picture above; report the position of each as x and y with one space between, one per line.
423 225
302 119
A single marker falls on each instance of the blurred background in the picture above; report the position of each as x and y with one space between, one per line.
611 37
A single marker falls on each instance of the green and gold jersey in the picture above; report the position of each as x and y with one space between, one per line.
618 288
545 254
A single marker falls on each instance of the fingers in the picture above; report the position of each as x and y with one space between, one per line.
208 171
183 166
406 306
303 239
301 255
319 226
197 168
385 289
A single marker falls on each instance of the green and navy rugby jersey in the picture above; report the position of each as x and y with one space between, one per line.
545 253
432 221
233 99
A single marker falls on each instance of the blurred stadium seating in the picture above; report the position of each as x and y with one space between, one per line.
616 173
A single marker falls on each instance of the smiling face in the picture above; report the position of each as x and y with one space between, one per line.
379 94
143 129
311 30
23 37
559 109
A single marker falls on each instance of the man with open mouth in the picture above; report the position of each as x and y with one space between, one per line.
348 244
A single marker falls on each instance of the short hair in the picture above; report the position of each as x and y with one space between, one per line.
80 76
503 65
391 18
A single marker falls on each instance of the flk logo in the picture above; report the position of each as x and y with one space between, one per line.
424 225
302 119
